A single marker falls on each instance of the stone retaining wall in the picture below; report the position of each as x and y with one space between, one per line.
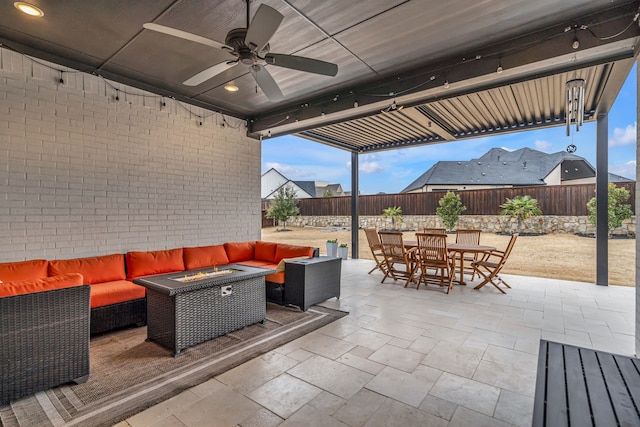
487 223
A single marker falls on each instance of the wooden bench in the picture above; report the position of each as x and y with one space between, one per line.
581 387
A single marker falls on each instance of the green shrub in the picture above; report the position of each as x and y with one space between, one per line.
618 211
520 207
450 209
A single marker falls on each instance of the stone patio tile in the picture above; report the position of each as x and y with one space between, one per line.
446 334
251 375
360 408
402 386
510 357
360 363
423 344
514 408
456 359
262 418
308 416
397 414
367 338
395 329
466 392
339 379
327 346
164 409
284 395
464 417
519 379
439 407
224 407
399 358
327 403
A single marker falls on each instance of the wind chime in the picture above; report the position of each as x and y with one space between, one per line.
575 107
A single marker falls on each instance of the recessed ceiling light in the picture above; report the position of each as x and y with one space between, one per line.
29 9
231 87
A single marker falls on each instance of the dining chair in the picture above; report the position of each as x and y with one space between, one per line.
376 249
433 260
399 260
491 263
431 230
468 237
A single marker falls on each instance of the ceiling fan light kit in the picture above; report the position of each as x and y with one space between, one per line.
250 47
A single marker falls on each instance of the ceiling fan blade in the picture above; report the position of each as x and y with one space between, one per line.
263 25
267 84
302 64
184 35
210 72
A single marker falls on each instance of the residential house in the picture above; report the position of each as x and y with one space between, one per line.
500 168
272 180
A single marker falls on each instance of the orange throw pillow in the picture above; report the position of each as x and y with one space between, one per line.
292 251
22 287
98 269
23 270
204 256
154 262
265 251
240 251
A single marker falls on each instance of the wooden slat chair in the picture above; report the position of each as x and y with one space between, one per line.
491 263
430 230
399 260
433 260
468 237
376 250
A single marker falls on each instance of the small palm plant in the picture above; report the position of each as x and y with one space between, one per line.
393 212
520 207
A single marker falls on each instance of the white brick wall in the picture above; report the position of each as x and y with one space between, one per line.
82 174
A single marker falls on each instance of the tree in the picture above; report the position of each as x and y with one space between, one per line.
520 207
283 206
328 193
450 209
617 210
393 212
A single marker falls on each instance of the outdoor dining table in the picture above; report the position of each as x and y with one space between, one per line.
459 248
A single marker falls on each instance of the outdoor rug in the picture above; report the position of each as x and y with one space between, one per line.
129 374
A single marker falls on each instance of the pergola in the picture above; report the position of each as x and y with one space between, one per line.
411 72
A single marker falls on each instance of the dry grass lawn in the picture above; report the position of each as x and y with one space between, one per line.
557 256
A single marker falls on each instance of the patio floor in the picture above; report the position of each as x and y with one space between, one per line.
411 358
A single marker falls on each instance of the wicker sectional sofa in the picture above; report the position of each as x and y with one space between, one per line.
44 334
49 309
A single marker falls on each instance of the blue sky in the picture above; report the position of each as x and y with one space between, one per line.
390 171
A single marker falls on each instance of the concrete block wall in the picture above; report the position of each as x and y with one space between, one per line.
82 174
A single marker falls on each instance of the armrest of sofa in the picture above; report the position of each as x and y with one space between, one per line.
44 340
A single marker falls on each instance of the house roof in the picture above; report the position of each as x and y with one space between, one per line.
307 186
499 167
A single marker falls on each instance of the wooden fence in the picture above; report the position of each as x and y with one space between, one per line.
562 200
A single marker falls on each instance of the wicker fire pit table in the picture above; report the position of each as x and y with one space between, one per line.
190 307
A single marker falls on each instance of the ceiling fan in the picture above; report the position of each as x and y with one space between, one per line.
250 46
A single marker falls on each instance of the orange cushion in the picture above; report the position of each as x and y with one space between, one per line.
265 251
275 278
240 251
23 270
154 262
204 256
105 268
258 263
108 293
292 251
22 287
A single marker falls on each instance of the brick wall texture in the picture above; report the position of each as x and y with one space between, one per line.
82 174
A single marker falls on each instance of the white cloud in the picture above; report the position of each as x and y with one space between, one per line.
289 171
624 136
542 145
628 169
370 167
